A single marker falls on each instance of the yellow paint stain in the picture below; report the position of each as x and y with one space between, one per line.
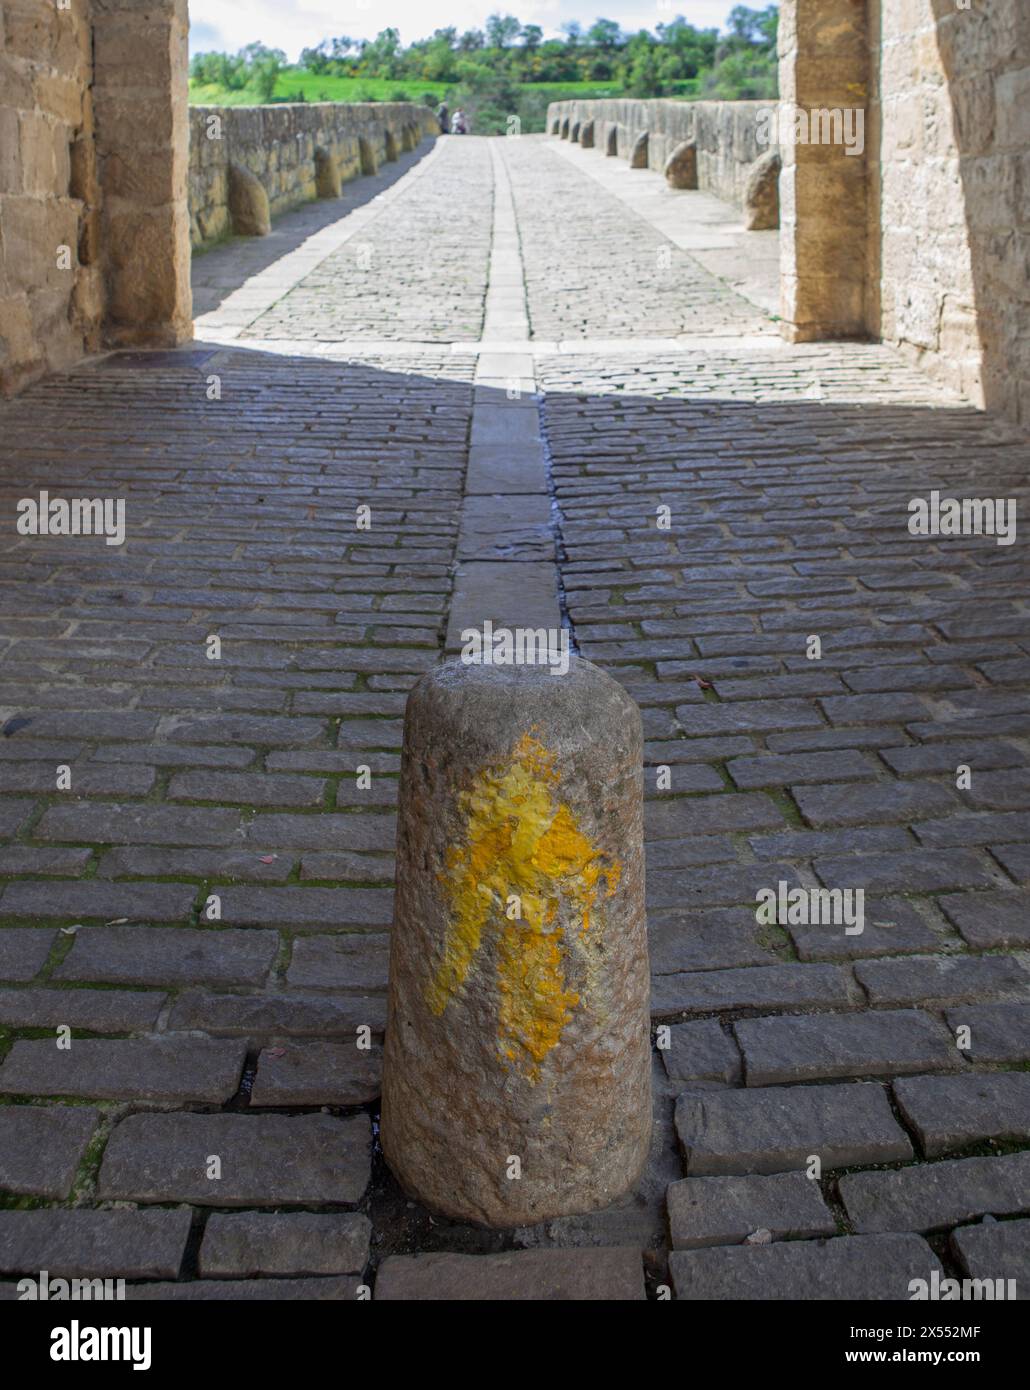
520 839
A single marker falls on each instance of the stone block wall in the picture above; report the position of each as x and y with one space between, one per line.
278 145
50 280
950 114
725 132
94 245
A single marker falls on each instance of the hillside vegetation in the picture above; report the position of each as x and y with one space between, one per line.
507 68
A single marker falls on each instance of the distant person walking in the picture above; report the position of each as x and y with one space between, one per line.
458 126
443 116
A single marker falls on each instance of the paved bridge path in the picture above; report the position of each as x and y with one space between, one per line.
559 390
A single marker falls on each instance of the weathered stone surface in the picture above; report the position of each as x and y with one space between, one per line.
266 1160
241 1246
851 1268
762 193
612 1275
248 1290
933 1196
639 152
683 943
997 1032
316 1073
540 795
41 1147
248 203
95 1010
777 1130
725 1211
942 979
758 987
892 927
681 166
156 902
818 1047
171 1069
997 1250
327 174
23 951
952 1112
170 955
260 1016
989 920
352 961
94 1244
701 1052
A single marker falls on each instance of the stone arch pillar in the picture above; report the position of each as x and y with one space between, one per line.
140 96
824 66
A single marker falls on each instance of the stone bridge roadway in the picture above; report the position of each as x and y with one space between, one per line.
514 354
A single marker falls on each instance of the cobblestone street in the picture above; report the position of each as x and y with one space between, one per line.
509 362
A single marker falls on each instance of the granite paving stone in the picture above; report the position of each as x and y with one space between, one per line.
178 1069
948 1113
93 1010
24 951
997 1032
701 1052
849 1268
942 979
999 1250
41 1147
316 1073
240 1245
777 1129
265 1160
87 1244
611 1275
937 1196
819 1047
129 955
989 920
725 1211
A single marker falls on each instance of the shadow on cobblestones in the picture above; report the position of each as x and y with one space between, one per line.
788 479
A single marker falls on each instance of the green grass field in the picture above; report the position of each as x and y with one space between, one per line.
296 85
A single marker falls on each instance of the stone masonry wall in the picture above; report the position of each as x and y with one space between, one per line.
50 298
950 112
725 132
278 144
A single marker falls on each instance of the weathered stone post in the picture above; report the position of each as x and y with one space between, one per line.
141 111
823 191
516 1082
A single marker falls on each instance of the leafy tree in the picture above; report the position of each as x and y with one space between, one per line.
604 34
502 30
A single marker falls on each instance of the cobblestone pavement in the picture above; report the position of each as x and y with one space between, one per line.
421 275
198 882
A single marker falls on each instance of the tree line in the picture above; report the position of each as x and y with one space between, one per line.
676 59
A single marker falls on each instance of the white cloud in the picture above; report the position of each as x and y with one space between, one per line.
296 24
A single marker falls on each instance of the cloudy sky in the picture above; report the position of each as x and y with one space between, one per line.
295 24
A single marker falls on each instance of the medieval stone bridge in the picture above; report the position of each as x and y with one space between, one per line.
514 356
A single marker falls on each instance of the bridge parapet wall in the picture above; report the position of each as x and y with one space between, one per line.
726 134
278 146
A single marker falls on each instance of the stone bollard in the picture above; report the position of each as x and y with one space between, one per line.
516 1079
248 203
762 193
681 166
